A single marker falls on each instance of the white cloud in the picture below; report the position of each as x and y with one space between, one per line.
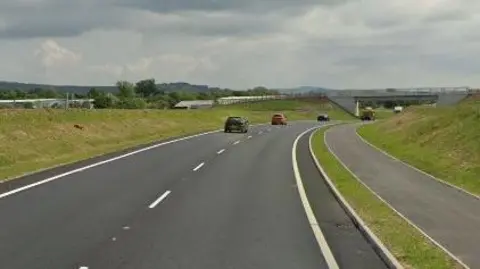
53 55
351 43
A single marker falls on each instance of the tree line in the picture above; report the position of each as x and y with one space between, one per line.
142 94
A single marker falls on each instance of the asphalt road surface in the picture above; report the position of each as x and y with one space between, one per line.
449 216
215 201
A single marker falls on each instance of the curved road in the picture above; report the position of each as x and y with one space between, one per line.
450 217
213 201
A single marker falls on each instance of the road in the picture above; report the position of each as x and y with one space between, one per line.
214 201
450 217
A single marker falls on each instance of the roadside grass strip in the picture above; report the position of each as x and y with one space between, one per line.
405 242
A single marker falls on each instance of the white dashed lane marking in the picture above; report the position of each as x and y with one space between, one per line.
161 198
198 167
220 151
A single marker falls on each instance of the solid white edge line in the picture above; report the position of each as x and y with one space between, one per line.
350 209
156 202
220 151
415 168
324 247
47 180
198 166
100 163
391 207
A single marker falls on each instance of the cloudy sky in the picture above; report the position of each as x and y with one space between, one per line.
242 43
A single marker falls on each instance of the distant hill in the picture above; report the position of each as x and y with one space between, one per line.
168 87
305 89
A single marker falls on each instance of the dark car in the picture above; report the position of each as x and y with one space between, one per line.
323 117
239 124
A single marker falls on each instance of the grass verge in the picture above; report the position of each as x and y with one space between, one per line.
405 242
35 139
443 141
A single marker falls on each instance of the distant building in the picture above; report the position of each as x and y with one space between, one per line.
196 104
244 99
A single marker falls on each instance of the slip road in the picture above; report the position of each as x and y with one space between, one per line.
449 217
213 201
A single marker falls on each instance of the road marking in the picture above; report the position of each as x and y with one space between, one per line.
198 166
322 242
83 267
249 137
236 142
3 195
164 195
220 151
388 255
260 132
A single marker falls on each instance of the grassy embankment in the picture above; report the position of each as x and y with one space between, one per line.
443 141
406 243
382 113
34 139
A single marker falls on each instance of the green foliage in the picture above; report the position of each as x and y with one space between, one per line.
146 88
142 94
104 100
131 103
126 89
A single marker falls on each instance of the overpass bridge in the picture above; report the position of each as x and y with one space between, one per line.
351 100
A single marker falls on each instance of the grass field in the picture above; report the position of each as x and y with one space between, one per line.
408 245
36 139
444 141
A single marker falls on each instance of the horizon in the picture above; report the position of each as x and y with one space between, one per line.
271 88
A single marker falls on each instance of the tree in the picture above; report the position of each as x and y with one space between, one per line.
126 89
174 97
43 93
93 93
146 87
104 100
